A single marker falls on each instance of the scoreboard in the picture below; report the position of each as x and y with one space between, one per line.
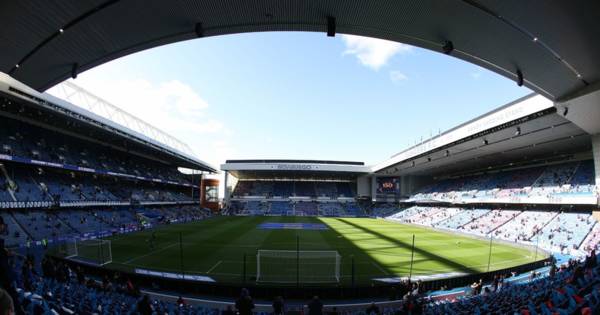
388 185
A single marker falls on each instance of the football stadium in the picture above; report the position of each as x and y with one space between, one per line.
102 212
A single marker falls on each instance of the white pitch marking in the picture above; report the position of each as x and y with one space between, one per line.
150 253
215 266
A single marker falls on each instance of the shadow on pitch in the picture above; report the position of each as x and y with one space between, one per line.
408 246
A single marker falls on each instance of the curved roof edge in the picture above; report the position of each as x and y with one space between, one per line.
51 42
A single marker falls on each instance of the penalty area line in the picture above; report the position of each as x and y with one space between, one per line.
215 266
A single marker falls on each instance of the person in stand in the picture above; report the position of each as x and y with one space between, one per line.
3 227
373 309
143 306
228 311
278 306
315 306
244 303
7 306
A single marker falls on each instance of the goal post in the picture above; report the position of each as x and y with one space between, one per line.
305 266
95 252
67 249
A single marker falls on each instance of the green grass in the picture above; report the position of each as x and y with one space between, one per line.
216 248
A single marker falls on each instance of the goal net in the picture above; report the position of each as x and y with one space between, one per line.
67 249
305 266
95 252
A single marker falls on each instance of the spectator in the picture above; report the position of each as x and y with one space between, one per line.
244 304
3 227
228 311
315 306
278 306
5 270
373 309
6 303
486 291
180 301
143 306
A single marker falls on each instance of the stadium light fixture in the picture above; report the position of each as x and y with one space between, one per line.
519 78
74 70
448 47
330 26
199 30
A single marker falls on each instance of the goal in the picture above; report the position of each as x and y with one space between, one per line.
95 252
305 266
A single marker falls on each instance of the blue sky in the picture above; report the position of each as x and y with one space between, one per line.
298 95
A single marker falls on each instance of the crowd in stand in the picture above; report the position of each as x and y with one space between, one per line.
490 221
566 232
296 208
572 178
23 227
29 141
592 239
524 226
285 189
42 166
574 288
25 184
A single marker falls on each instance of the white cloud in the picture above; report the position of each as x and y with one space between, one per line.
172 106
475 75
397 76
373 52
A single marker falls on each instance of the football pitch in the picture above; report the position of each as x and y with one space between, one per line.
218 247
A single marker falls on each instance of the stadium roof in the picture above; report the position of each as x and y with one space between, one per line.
288 161
294 168
61 113
552 44
528 131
